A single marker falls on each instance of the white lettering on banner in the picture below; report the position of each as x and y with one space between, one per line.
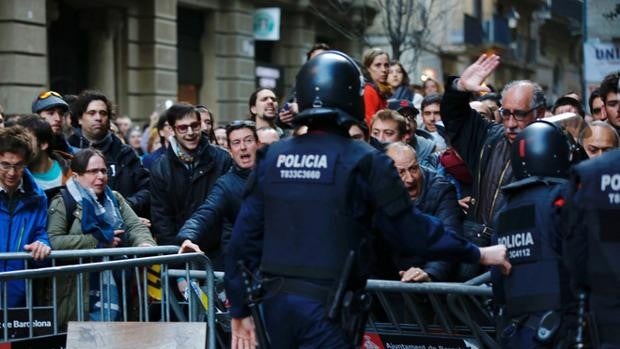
612 181
614 198
302 161
600 58
516 240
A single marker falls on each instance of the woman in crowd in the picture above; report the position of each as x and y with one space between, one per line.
97 218
207 121
398 79
430 86
376 91
134 137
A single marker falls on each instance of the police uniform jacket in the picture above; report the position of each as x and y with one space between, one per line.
311 199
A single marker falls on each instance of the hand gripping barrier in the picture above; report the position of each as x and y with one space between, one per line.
421 315
432 314
131 262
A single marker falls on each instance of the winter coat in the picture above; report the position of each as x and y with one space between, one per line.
178 191
223 202
475 138
63 237
23 225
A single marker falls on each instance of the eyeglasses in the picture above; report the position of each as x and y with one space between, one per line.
519 115
5 166
182 129
47 94
95 171
237 124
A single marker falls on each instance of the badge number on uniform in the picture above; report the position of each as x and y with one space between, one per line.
517 230
316 167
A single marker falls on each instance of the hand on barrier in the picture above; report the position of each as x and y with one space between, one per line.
414 274
243 333
39 250
189 246
116 240
473 76
495 255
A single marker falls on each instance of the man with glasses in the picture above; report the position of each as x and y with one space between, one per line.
184 176
52 107
23 208
125 171
484 145
224 201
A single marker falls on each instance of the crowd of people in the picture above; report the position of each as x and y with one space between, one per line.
75 175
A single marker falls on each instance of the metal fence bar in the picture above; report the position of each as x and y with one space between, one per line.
428 287
98 267
96 252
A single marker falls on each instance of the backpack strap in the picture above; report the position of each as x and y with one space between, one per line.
70 206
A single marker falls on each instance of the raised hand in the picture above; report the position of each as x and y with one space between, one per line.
473 76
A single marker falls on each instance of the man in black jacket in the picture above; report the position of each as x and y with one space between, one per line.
484 145
432 194
224 201
183 177
125 171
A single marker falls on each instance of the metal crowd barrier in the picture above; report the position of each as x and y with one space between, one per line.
136 265
457 314
433 314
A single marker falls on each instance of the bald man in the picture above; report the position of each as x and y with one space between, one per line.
598 138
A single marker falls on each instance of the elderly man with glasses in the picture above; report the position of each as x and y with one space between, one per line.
484 145
183 177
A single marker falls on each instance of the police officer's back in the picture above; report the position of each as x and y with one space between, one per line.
313 200
535 295
593 244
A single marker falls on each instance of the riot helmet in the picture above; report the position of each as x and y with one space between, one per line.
542 149
330 85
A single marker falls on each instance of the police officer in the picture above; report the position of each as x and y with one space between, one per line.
593 245
311 201
535 296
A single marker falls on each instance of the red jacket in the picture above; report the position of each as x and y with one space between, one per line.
373 102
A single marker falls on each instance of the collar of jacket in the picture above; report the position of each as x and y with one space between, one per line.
202 156
31 192
241 172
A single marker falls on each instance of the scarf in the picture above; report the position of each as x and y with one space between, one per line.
100 217
185 157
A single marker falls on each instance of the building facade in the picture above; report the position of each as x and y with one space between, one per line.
143 53
539 40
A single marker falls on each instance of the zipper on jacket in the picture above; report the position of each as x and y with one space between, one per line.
21 236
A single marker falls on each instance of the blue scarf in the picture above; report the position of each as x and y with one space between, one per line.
100 216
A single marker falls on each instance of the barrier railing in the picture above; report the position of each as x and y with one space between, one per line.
124 267
455 314
433 314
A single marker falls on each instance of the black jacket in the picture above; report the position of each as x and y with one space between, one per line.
223 202
178 191
126 174
475 138
438 199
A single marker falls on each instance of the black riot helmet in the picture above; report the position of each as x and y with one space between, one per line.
542 149
330 85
